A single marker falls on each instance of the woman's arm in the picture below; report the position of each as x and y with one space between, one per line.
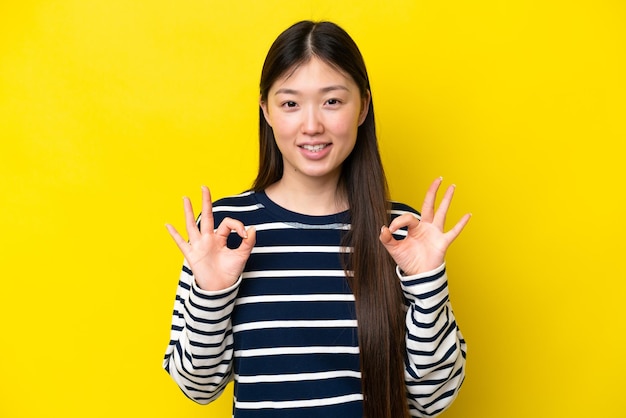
199 355
435 346
436 349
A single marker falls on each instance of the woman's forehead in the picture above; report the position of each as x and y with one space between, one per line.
313 71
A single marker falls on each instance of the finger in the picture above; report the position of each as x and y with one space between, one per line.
405 220
452 234
228 225
442 210
190 219
388 241
206 218
178 239
428 208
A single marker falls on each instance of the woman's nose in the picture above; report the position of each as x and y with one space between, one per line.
312 122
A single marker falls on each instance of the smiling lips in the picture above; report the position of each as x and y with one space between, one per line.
314 148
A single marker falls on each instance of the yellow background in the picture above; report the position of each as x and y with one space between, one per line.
112 110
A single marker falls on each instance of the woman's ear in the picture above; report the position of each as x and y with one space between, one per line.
266 113
365 107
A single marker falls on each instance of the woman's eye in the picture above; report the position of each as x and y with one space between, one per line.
289 104
333 102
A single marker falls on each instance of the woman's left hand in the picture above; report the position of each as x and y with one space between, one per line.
426 243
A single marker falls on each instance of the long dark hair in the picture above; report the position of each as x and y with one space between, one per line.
370 269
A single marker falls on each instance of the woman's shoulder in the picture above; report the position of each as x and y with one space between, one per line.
242 199
244 206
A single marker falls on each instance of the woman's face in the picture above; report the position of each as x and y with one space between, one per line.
315 112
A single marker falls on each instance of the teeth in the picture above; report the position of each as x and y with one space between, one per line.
314 148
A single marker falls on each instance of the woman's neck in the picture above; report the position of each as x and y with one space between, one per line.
315 197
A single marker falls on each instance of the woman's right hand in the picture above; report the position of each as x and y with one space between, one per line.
214 265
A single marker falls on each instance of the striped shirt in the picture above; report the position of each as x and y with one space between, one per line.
286 331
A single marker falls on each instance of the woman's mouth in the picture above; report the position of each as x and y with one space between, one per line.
314 148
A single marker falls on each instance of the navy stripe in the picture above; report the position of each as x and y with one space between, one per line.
430 382
213 297
217 308
423 280
432 309
299 363
434 292
213 333
428 325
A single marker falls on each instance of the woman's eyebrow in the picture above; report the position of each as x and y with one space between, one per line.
322 90
333 88
285 91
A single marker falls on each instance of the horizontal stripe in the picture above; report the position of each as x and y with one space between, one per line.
296 298
293 273
308 403
294 324
279 351
408 282
218 209
271 226
297 377
299 249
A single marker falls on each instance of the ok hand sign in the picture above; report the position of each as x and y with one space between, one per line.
214 265
425 245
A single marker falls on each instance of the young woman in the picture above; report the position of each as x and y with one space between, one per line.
313 291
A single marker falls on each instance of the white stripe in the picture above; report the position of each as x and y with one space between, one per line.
300 249
284 225
297 377
296 298
279 351
298 404
293 273
272 225
345 323
249 208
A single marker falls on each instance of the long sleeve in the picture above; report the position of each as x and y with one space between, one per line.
200 352
436 349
